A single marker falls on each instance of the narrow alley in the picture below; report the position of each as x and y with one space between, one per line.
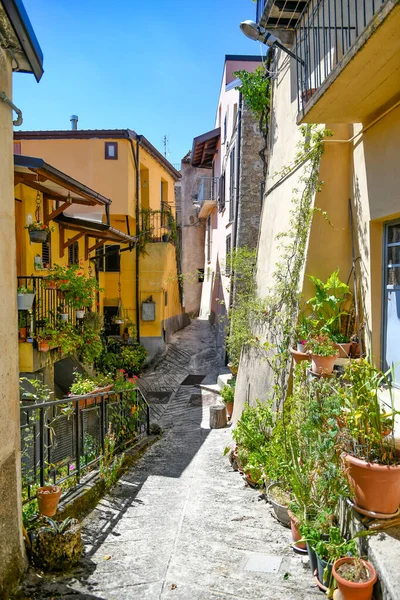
182 524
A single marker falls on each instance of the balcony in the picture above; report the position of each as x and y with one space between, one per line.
280 15
351 54
207 195
158 225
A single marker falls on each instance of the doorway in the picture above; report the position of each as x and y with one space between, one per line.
391 299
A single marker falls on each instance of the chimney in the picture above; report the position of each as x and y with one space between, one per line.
74 122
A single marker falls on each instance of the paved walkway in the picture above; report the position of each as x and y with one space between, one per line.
182 525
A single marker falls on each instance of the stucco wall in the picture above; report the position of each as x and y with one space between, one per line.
12 555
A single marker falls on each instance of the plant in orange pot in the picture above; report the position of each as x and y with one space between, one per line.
370 462
48 497
323 354
228 396
355 578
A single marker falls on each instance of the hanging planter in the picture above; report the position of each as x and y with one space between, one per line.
64 317
25 298
38 237
79 314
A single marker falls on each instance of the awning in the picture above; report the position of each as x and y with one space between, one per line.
204 148
99 232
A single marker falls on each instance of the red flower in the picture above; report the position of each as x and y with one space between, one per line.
122 370
135 377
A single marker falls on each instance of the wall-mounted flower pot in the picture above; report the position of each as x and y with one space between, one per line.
48 498
79 314
25 301
323 365
39 237
352 590
376 487
43 346
64 316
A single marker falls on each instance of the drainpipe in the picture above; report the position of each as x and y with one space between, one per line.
135 153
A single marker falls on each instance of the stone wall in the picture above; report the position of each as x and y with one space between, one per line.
250 180
193 237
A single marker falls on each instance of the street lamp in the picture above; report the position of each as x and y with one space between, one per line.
259 34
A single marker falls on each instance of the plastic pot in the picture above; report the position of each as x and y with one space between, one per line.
352 590
281 512
48 498
376 487
321 564
25 301
323 365
313 558
79 314
64 316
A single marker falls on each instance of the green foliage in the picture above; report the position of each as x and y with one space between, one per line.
79 290
115 357
322 345
110 464
335 547
327 306
57 528
228 392
256 89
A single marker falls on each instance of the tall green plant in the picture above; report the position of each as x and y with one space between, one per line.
328 306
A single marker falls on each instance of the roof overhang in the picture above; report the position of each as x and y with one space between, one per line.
36 173
204 148
17 32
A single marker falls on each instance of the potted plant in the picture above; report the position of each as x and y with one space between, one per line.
323 354
78 289
47 337
228 396
355 578
370 460
23 324
328 551
38 232
63 313
25 298
48 497
279 500
57 546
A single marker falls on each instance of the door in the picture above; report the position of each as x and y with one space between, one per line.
391 344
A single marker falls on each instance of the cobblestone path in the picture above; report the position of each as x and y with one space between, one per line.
182 525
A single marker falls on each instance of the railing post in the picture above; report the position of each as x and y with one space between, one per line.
41 446
102 421
78 439
148 418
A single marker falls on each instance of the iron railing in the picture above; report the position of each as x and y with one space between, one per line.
158 226
47 307
325 32
65 438
208 189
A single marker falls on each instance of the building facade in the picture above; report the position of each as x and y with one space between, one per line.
143 282
229 198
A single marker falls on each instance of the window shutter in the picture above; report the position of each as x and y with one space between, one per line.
232 185
222 192
46 255
73 254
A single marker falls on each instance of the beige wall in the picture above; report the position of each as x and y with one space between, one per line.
12 556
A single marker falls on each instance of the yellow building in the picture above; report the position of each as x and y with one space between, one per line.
141 286
43 193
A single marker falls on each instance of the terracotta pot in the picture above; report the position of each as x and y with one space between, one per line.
355 349
229 409
351 590
344 349
322 365
296 535
51 285
22 333
233 369
306 95
299 356
48 498
43 346
376 487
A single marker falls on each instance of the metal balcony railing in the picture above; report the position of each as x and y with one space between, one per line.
158 226
47 307
63 439
325 32
207 189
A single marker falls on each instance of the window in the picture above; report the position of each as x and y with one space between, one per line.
200 275
209 238
108 258
46 254
111 150
165 298
232 185
222 192
234 117
228 258
73 254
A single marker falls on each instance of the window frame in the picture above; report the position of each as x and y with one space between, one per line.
108 145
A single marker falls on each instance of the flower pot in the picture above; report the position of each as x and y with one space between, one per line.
51 285
313 558
64 316
307 94
43 346
376 487
353 590
39 237
119 321
296 535
233 368
79 314
22 332
344 350
355 349
25 301
321 565
48 498
229 409
298 357
281 512
323 365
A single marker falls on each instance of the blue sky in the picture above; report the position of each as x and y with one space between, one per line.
154 66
